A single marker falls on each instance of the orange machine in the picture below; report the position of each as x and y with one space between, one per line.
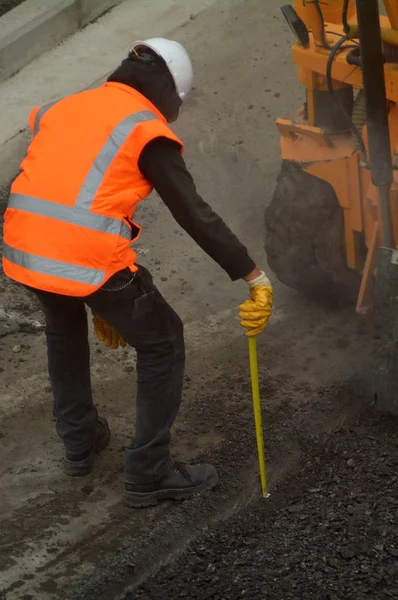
335 203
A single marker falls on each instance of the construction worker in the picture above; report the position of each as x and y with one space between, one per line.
68 237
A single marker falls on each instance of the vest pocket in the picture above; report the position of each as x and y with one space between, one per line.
135 229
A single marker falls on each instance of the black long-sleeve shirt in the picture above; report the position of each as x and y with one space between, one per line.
162 164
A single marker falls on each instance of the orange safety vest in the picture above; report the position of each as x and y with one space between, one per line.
68 226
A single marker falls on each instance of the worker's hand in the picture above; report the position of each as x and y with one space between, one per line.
107 334
255 313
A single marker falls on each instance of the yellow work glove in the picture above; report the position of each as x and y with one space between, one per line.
107 334
255 313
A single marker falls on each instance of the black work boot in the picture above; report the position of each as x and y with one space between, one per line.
81 464
181 482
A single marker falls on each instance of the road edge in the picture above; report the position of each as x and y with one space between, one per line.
26 38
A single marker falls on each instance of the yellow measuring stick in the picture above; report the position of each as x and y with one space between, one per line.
257 412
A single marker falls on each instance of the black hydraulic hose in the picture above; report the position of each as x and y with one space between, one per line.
337 48
375 91
320 13
345 17
378 127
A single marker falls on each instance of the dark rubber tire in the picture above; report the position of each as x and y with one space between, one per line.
304 241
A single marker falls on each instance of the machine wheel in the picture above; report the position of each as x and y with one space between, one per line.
304 241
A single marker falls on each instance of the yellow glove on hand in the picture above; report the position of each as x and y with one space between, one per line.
255 313
107 334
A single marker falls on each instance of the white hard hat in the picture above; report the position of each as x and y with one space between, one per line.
177 60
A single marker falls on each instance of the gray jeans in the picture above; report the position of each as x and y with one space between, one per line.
138 312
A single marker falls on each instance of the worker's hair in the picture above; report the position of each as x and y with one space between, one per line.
146 55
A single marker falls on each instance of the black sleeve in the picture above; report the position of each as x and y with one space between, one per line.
162 164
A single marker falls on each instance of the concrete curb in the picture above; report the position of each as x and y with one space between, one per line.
36 26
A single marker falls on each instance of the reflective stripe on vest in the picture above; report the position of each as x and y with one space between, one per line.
40 113
105 157
79 214
55 268
69 214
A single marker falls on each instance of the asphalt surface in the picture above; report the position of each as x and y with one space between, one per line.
328 527
328 532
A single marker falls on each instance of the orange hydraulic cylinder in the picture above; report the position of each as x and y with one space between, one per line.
309 13
392 12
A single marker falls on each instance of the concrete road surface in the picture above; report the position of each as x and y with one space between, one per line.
63 538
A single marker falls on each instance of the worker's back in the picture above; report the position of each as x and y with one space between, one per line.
70 138
67 226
